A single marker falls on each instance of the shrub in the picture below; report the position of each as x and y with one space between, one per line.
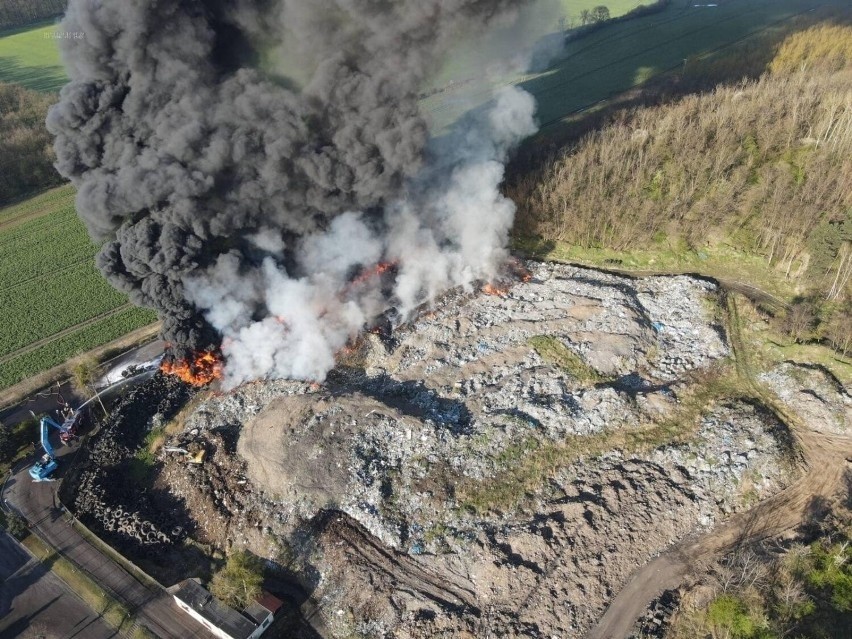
800 321
728 615
16 526
239 582
26 155
6 446
84 374
825 46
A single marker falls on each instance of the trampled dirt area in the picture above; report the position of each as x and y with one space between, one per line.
504 465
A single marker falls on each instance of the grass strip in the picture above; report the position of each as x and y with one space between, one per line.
114 613
530 463
552 350
113 554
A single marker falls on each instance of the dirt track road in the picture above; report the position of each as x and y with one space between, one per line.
827 476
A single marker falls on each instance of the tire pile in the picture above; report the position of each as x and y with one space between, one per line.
106 497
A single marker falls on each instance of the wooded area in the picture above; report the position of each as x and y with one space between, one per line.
765 166
16 13
773 590
26 152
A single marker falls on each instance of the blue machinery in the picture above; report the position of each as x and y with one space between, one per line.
42 469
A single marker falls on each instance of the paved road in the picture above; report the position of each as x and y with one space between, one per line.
34 601
37 502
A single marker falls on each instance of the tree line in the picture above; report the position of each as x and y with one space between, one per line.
16 13
26 151
590 20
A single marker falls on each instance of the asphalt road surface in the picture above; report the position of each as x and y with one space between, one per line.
34 602
37 502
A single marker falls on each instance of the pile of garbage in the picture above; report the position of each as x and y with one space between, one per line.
392 488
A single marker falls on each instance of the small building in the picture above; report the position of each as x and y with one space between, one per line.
221 620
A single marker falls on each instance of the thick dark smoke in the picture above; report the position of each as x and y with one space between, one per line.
212 183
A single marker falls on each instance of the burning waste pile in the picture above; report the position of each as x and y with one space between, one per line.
110 494
269 220
404 489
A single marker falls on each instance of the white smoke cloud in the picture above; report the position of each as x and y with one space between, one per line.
268 240
457 232
450 230
348 242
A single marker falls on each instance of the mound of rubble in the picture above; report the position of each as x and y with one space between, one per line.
403 492
815 394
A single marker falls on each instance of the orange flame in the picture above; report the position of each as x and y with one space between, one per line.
493 289
379 269
518 270
199 370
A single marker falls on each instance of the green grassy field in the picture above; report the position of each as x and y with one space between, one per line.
471 57
624 55
618 57
30 57
54 304
571 8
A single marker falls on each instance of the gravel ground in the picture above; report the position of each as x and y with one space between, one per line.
814 394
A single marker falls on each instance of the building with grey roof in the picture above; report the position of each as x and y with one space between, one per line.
221 620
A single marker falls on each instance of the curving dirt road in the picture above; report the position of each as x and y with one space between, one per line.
827 475
825 478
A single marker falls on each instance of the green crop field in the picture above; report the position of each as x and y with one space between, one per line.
54 303
30 57
620 56
624 55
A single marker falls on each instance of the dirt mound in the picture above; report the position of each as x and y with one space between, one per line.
294 451
551 572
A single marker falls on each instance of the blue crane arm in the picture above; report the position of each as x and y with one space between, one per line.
45 441
52 423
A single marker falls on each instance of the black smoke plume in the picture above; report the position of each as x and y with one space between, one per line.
212 182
